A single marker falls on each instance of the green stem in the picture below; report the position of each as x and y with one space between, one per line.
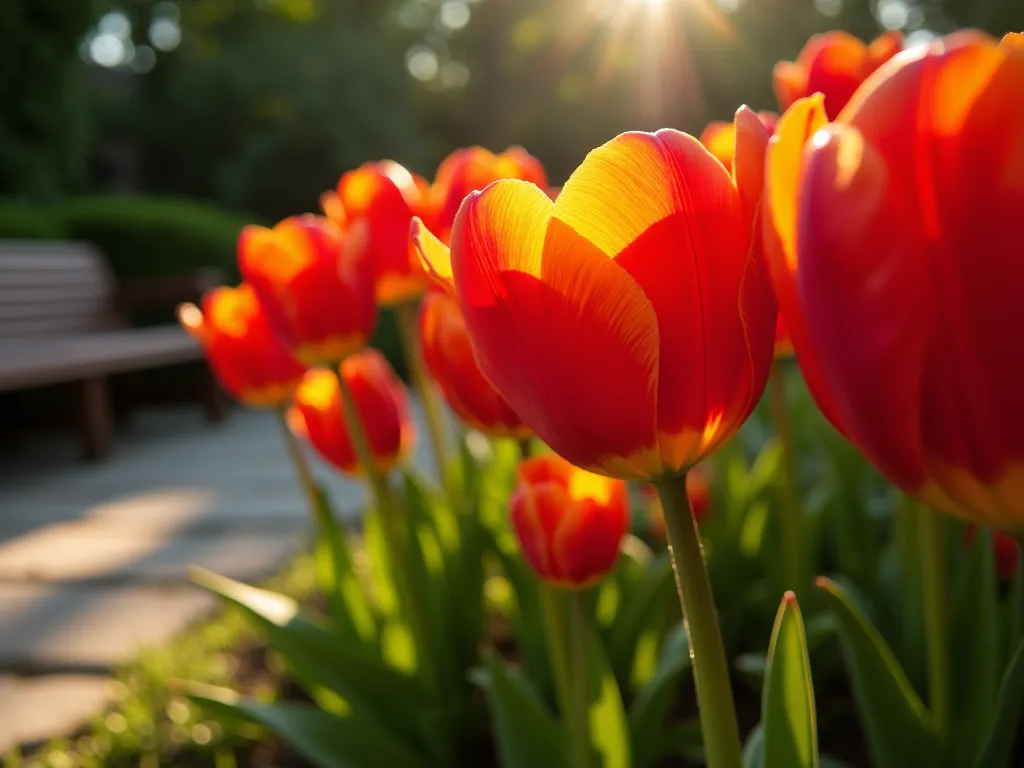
407 329
323 524
707 653
936 616
791 514
553 608
579 731
524 448
394 530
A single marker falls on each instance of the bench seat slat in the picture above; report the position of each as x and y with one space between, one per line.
49 360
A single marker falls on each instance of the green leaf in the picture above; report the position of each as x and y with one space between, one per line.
527 734
753 750
527 620
976 645
320 659
790 730
1005 727
609 728
465 596
899 730
650 708
643 609
349 606
329 741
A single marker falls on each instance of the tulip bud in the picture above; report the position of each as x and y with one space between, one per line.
569 522
380 399
249 361
449 356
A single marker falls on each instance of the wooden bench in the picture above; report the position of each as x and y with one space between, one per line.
63 319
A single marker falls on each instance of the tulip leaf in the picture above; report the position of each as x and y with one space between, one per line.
527 733
899 730
1005 727
976 646
790 729
644 609
327 740
609 727
337 578
321 660
650 708
528 620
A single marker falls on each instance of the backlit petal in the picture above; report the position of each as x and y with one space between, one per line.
434 255
566 336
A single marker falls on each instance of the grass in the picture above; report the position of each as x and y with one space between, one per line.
150 725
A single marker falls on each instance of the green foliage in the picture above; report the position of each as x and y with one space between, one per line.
25 221
151 236
262 113
43 120
788 714
899 729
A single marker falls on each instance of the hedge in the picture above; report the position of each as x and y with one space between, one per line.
154 236
24 221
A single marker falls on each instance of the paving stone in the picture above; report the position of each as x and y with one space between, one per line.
76 552
72 627
37 708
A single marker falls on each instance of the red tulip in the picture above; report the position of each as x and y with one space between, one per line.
894 244
470 170
247 358
720 137
386 196
315 282
569 522
382 403
629 323
449 356
834 64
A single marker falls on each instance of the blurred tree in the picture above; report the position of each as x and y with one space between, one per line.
263 105
43 120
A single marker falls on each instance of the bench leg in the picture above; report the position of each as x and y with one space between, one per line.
95 418
214 400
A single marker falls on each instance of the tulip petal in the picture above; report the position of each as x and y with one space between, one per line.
748 167
719 137
566 336
670 215
783 174
434 255
865 266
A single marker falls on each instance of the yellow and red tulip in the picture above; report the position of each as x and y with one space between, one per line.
630 323
719 137
315 282
894 244
449 356
386 196
249 361
471 169
833 64
569 522
380 399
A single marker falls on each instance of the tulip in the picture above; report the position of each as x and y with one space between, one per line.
386 196
720 137
893 237
315 283
249 361
471 169
569 522
629 323
834 64
449 356
380 400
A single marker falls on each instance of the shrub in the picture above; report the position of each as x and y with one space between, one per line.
24 221
152 236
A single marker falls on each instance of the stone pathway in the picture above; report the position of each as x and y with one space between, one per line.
93 558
